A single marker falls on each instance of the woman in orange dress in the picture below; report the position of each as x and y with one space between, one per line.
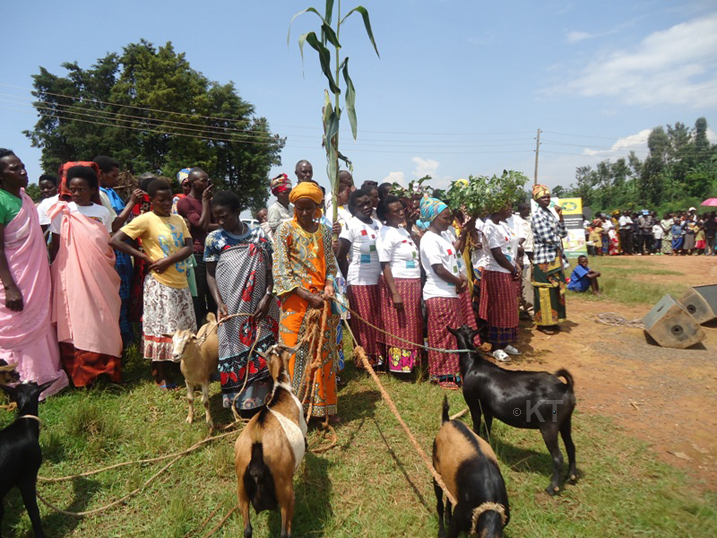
304 270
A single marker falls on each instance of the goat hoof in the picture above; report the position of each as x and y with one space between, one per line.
552 490
189 420
572 479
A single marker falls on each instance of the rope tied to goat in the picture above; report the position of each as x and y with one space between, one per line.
478 511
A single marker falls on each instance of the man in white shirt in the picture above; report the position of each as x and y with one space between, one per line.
625 232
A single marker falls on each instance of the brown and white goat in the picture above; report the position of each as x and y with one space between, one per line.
199 356
270 449
470 471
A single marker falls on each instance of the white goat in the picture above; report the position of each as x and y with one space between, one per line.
199 355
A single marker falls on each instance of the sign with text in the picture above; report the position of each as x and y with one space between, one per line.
574 244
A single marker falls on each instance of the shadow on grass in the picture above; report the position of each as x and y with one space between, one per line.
312 510
523 460
401 468
55 524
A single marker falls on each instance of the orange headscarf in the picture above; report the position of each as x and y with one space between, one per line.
310 190
539 191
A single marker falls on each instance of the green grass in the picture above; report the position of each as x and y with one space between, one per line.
371 484
616 286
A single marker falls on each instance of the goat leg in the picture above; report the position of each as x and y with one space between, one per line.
439 509
566 434
287 515
550 436
244 509
476 416
29 497
205 402
454 527
190 399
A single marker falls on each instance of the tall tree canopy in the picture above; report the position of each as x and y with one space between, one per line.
151 111
680 170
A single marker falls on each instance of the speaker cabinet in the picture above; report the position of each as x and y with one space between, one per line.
671 325
701 302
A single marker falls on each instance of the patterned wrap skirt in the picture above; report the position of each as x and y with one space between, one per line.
549 291
366 302
443 312
499 307
166 310
406 324
241 276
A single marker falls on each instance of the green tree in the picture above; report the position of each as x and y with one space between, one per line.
150 110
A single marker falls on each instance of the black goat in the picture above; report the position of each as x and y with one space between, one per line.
20 454
470 471
522 399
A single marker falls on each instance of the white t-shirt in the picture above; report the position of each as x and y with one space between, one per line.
44 206
607 225
364 267
657 231
501 236
94 212
435 249
624 221
395 245
451 236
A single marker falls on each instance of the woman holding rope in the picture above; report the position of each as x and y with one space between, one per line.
304 268
441 292
239 276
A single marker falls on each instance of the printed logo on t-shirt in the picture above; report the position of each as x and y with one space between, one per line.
365 258
410 264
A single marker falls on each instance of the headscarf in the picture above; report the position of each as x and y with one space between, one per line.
539 191
279 184
183 174
310 190
430 209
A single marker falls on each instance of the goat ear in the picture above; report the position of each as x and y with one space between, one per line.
170 336
42 387
454 332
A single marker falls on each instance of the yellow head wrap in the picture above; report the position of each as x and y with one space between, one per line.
539 191
310 190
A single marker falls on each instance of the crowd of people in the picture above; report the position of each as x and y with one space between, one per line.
95 260
642 233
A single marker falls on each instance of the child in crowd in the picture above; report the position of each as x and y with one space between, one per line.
657 234
168 303
595 237
584 278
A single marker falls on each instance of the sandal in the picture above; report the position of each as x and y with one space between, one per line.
167 386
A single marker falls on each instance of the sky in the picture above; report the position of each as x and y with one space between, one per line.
461 86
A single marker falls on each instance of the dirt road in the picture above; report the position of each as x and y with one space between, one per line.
667 397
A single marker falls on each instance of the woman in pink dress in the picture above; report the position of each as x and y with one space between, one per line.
27 337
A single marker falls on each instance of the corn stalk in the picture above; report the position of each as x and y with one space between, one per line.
331 115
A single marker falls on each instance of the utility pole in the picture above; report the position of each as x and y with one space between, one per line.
537 150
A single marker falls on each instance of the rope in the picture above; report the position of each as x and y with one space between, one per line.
615 319
9 407
112 504
150 460
361 354
413 344
478 511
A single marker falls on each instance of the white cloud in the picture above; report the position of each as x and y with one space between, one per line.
632 142
429 167
395 177
425 167
574 37
673 66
